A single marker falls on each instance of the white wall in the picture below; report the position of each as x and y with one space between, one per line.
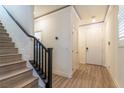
82 40
24 15
58 24
111 51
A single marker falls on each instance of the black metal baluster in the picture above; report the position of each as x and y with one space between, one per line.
42 61
38 45
34 52
39 59
45 63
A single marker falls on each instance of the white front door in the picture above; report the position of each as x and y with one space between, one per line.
94 44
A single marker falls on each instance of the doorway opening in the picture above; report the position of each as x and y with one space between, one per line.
91 43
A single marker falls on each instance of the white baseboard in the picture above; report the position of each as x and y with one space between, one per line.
62 74
114 80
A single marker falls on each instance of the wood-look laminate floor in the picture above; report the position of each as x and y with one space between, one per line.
87 76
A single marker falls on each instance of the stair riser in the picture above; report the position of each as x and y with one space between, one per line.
12 67
8 51
2 31
1 27
5 44
33 84
13 81
4 35
5 40
10 58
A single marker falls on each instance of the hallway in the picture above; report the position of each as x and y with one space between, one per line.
87 76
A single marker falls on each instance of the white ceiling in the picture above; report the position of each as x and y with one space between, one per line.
86 12
40 10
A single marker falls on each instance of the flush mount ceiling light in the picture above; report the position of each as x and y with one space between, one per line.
93 19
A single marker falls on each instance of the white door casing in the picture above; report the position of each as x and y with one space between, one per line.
93 41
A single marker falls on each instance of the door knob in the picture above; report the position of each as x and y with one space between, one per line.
86 48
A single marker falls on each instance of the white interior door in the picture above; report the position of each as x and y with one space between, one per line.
75 48
94 44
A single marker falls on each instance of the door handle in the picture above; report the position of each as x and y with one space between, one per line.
87 48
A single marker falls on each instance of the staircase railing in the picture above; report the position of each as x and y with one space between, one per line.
42 60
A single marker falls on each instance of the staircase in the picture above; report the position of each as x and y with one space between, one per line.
13 70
